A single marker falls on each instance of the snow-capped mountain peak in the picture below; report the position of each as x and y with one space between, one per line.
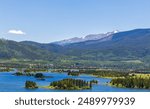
103 36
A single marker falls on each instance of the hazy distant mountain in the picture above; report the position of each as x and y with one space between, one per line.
107 36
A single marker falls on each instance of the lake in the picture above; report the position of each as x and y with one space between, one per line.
12 83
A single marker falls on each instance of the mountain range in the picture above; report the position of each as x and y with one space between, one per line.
86 38
96 49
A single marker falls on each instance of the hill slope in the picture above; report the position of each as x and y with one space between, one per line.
130 44
11 49
128 47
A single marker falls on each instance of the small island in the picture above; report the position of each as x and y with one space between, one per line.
73 73
31 72
70 84
39 76
30 85
23 74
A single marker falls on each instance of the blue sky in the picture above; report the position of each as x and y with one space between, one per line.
51 20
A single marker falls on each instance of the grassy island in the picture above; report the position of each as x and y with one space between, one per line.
70 84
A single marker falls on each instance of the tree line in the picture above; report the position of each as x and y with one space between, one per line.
71 84
131 82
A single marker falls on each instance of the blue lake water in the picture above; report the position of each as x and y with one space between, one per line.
12 83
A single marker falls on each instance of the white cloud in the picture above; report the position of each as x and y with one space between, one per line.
18 32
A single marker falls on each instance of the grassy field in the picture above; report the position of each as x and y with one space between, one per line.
140 75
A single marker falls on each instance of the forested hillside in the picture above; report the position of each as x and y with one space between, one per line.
128 48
